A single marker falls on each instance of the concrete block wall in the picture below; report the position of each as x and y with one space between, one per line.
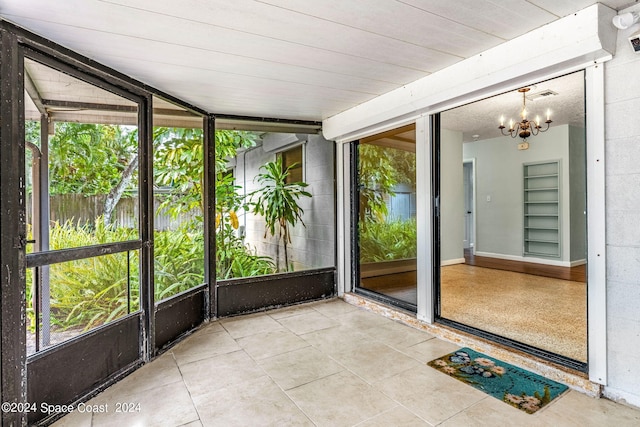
622 121
312 246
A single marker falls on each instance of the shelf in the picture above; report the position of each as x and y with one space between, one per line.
542 189
541 176
541 232
543 254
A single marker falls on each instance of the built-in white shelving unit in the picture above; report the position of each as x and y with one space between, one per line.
542 222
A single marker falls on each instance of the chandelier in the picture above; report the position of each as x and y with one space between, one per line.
524 128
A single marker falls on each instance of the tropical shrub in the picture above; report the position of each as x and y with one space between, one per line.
277 202
178 261
89 292
387 241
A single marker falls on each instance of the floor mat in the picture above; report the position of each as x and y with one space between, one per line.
518 387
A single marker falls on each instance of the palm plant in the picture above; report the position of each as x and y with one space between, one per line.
277 202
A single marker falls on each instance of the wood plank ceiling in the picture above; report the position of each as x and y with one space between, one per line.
290 59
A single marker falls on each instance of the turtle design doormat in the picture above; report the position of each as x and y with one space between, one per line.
518 387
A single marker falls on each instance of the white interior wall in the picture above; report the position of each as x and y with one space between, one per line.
499 190
451 198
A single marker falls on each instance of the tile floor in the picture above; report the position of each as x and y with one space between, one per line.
326 364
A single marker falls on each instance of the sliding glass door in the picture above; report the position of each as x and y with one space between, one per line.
513 219
385 182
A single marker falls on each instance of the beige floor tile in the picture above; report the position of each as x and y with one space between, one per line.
374 361
334 307
336 340
218 372
256 403
398 336
281 313
363 319
211 328
203 345
269 344
323 373
75 419
323 400
396 417
432 349
158 372
576 409
299 367
308 322
490 412
429 394
168 405
251 324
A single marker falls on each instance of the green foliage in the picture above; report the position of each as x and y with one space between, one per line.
89 158
277 202
178 261
234 259
377 179
32 131
380 169
228 142
387 241
89 292
178 164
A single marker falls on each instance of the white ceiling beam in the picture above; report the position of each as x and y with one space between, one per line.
565 44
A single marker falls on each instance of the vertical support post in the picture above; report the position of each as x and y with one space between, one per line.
209 195
12 229
42 238
145 188
596 225
343 241
352 194
424 195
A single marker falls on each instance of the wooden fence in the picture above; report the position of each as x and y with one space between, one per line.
82 209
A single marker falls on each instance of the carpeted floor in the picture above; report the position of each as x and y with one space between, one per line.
547 313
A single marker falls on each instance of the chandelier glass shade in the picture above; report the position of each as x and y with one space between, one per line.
525 127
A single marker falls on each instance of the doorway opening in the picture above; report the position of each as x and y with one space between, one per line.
512 222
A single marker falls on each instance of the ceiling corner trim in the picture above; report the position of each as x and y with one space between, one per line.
566 44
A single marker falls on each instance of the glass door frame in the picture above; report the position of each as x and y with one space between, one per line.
355 238
436 267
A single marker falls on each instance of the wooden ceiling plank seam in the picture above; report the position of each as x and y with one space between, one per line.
377 50
276 22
